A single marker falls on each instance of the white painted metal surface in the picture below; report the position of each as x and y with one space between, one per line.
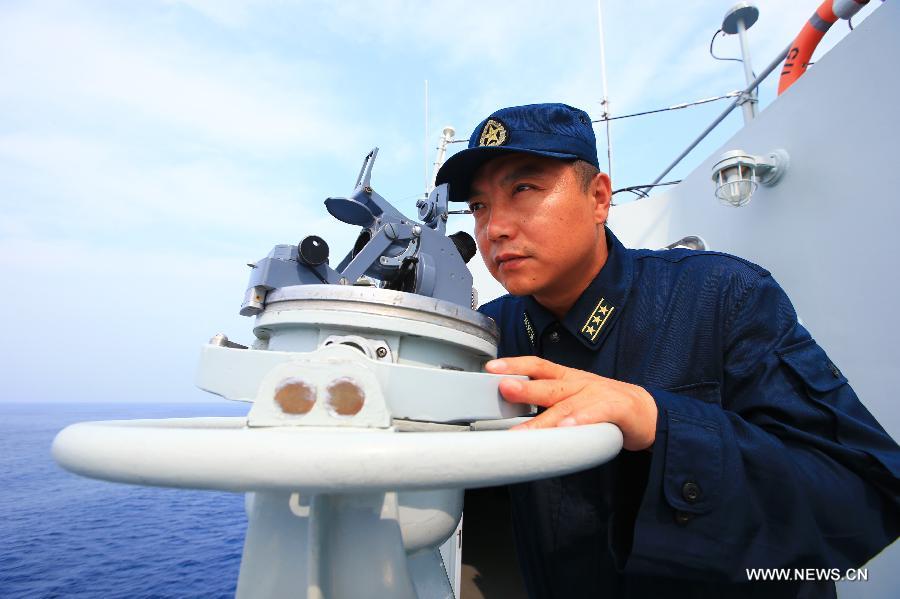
224 454
452 396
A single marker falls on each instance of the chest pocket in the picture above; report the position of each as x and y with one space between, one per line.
705 391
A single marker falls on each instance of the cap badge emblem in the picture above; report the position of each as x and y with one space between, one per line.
493 134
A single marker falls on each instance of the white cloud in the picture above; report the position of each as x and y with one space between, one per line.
81 188
85 69
229 13
469 33
119 131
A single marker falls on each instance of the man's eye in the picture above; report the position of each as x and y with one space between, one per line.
522 187
475 207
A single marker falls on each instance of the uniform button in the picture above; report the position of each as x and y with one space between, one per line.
553 337
682 518
691 492
834 370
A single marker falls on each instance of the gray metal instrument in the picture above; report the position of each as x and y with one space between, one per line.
392 251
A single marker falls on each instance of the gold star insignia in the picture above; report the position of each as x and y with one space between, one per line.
493 134
597 320
529 330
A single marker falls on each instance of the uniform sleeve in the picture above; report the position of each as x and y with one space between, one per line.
783 468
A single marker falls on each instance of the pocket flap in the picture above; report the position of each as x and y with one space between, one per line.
811 364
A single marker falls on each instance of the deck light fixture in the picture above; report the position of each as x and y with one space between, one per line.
737 174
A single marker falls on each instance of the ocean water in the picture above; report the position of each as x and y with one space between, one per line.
62 535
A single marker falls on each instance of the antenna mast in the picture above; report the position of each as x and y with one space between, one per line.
425 148
604 102
446 139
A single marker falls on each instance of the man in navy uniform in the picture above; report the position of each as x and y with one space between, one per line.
744 445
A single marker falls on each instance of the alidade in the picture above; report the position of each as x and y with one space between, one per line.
392 250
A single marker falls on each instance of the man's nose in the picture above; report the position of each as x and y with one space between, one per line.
501 223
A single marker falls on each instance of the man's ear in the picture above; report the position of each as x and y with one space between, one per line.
600 192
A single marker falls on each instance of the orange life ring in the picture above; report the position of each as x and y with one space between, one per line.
812 33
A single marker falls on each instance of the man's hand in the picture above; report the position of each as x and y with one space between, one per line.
577 397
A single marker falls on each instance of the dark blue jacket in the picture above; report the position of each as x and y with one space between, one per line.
764 457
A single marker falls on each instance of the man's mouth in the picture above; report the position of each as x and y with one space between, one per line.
509 261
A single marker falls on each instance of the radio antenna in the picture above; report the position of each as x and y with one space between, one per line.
604 102
425 147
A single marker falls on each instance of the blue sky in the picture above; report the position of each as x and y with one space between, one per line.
148 150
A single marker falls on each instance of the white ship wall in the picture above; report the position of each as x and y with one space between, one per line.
827 231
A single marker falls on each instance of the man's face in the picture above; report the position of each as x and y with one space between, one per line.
538 230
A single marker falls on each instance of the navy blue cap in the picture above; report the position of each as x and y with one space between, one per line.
552 130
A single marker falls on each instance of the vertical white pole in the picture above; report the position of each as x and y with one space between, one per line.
446 138
604 103
425 151
749 104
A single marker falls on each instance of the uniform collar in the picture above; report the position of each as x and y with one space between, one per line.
594 313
